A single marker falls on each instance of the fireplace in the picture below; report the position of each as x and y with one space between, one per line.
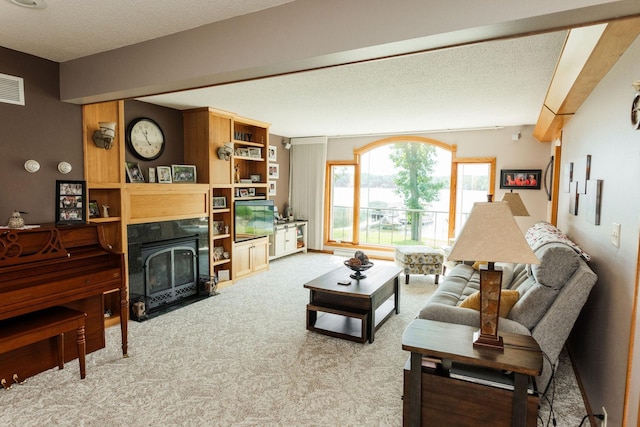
170 271
168 264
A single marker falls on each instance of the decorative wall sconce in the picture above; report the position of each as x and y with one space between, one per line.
225 152
64 167
31 166
104 136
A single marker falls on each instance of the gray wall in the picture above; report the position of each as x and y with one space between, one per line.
600 341
44 129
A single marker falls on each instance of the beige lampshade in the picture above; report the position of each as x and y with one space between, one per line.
515 204
491 234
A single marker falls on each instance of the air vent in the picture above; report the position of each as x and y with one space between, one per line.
11 89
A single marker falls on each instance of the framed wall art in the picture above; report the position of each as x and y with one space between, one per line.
274 171
520 178
593 200
273 153
70 202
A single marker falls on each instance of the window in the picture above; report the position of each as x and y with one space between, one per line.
390 200
475 178
341 202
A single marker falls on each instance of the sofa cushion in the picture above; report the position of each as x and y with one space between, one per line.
558 262
535 299
508 298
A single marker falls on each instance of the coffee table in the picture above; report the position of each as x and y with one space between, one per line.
355 311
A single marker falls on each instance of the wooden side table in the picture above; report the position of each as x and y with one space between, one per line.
450 343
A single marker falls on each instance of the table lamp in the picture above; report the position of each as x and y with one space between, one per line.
515 204
491 234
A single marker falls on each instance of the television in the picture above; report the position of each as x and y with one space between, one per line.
252 219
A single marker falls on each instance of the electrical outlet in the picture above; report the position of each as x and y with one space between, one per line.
604 421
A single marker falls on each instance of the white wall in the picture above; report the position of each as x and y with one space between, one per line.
526 153
600 341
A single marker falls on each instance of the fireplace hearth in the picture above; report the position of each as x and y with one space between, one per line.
168 266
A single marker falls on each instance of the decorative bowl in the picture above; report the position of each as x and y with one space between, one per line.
358 269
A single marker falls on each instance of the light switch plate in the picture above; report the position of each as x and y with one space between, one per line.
615 235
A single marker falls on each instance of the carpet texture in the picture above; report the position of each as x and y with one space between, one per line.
242 358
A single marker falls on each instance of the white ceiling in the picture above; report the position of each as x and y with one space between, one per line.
499 83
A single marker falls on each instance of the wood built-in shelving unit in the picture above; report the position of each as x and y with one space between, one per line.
104 174
205 130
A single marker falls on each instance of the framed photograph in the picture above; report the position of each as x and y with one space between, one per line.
272 188
252 192
256 178
94 209
219 202
273 153
242 152
223 275
183 173
274 171
164 174
520 178
70 202
217 227
255 153
244 192
152 174
134 173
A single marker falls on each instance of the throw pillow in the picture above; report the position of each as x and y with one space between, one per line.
508 298
476 265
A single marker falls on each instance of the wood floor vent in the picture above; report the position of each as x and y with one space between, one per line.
11 89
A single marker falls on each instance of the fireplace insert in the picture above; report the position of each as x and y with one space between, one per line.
168 266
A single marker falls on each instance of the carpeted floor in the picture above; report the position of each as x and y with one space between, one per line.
243 358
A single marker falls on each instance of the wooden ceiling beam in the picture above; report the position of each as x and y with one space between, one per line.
588 55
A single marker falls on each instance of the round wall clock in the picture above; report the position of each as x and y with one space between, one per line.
145 138
635 111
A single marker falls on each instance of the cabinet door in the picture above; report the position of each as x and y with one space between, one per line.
242 260
290 240
279 239
260 254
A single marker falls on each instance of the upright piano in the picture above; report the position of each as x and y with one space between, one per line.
52 265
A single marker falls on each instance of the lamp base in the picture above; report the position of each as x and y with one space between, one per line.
488 341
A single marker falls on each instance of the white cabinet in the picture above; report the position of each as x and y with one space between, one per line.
288 238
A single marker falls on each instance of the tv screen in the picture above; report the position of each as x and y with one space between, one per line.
253 219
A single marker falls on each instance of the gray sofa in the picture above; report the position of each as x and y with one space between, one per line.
551 294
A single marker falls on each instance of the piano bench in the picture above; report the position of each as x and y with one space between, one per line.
30 328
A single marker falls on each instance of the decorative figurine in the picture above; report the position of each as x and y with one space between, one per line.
237 174
15 220
105 211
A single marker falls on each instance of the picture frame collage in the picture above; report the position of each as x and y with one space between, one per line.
71 206
173 174
273 170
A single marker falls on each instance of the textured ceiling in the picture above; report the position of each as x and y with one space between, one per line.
69 29
497 83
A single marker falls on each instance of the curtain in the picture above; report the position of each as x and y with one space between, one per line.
306 185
